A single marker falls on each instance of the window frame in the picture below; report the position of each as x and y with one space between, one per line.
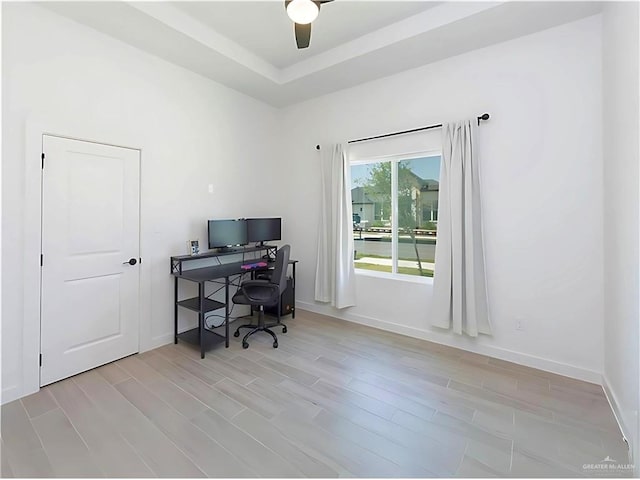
395 159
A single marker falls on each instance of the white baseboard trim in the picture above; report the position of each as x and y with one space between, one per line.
495 352
159 341
617 413
9 394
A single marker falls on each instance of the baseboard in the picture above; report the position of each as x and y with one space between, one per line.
617 413
158 341
9 394
491 351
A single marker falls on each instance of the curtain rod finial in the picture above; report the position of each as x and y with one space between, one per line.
484 116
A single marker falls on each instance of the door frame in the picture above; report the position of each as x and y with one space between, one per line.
35 129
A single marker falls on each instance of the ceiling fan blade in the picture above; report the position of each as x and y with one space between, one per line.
303 35
320 2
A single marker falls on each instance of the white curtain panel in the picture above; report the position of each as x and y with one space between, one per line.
335 273
459 290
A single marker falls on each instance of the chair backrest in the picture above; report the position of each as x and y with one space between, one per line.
279 276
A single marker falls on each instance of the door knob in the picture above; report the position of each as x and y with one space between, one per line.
131 261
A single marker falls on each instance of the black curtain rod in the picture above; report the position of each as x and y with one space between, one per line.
484 116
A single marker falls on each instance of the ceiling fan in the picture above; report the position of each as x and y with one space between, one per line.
302 13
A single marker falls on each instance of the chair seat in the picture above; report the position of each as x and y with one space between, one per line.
260 298
257 292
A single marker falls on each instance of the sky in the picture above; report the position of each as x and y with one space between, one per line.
425 167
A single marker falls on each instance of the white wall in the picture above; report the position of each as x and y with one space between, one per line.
621 174
541 166
192 131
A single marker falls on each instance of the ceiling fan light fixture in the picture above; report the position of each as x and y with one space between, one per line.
302 12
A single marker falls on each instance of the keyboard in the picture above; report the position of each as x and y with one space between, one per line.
253 266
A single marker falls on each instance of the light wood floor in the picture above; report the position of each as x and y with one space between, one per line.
335 399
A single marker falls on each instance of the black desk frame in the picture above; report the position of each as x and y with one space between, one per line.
176 262
201 304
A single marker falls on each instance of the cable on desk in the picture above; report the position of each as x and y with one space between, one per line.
236 283
209 327
223 317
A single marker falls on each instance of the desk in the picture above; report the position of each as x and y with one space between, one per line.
202 305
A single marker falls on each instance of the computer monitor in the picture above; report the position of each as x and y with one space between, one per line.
263 229
227 233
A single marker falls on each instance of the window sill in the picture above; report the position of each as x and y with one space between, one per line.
395 276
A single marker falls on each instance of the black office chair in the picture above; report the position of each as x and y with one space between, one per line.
265 293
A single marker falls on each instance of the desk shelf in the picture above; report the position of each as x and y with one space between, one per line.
209 338
194 304
178 260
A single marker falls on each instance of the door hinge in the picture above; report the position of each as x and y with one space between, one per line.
42 157
40 359
41 260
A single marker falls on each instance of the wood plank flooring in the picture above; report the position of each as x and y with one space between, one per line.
334 400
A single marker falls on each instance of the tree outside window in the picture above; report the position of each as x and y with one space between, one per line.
409 187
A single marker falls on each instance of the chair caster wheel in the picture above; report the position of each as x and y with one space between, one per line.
245 345
236 333
284 329
275 344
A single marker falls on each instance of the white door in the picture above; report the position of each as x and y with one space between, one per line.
90 231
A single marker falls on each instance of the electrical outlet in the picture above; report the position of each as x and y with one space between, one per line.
211 188
520 324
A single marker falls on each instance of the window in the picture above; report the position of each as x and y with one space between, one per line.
395 213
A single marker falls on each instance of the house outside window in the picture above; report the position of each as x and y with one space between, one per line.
395 213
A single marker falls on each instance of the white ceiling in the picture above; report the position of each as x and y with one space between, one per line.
264 28
250 46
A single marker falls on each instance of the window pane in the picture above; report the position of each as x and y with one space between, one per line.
371 202
418 188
